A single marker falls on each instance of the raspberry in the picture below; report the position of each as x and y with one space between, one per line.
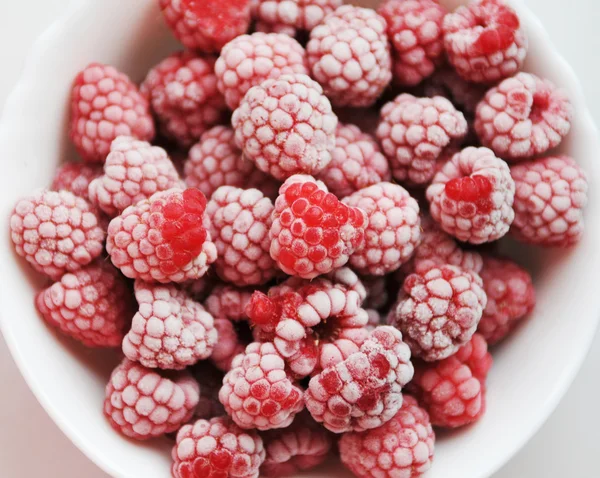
414 28
393 231
56 232
91 305
463 95
142 404
413 133
375 319
162 238
438 311
484 41
134 170
206 25
356 162
313 232
217 448
347 277
287 16
523 116
228 302
106 104
550 196
76 177
476 356
286 126
257 392
248 60
183 93
471 197
365 390
402 447
349 55
210 380
230 345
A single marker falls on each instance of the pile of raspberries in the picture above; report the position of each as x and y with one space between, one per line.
300 278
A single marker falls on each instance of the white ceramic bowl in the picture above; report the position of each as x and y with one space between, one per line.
532 369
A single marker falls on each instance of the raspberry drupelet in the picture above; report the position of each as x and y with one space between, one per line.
523 116
484 41
347 278
414 132
142 404
402 447
349 54
550 196
291 16
76 178
162 239
472 196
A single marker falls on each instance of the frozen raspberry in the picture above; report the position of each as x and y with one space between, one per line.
142 404
183 93
356 162
471 197
206 25
76 177
365 390
523 116
230 345
106 104
313 232
414 28
375 319
348 278
162 238
484 41
248 60
228 302
550 196
288 16
439 310
413 133
349 55
394 228
463 95
217 448
476 356
56 232
402 447
210 380
286 126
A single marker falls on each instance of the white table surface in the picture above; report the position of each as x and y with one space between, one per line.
566 446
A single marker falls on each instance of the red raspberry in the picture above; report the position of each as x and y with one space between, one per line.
523 116
228 302
463 95
248 60
56 232
475 354
162 238
142 404
394 228
92 305
206 25
414 28
347 277
286 126
257 392
313 232
356 162
217 448
349 55
438 310
472 196
230 345
210 380
550 196
402 447
287 16
76 177
106 104
484 41
365 390
414 132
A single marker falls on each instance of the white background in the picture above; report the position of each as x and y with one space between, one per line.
566 446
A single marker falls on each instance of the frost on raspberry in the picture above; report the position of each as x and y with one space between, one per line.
228 302
162 239
286 126
76 177
140 403
291 16
472 196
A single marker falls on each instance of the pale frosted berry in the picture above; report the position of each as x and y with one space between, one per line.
210 380
142 404
248 60
523 116
228 302
76 177
56 232
472 196
375 319
484 41
462 94
289 16
162 239
550 196
349 55
350 280
413 133
402 447
286 126
393 231
476 356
